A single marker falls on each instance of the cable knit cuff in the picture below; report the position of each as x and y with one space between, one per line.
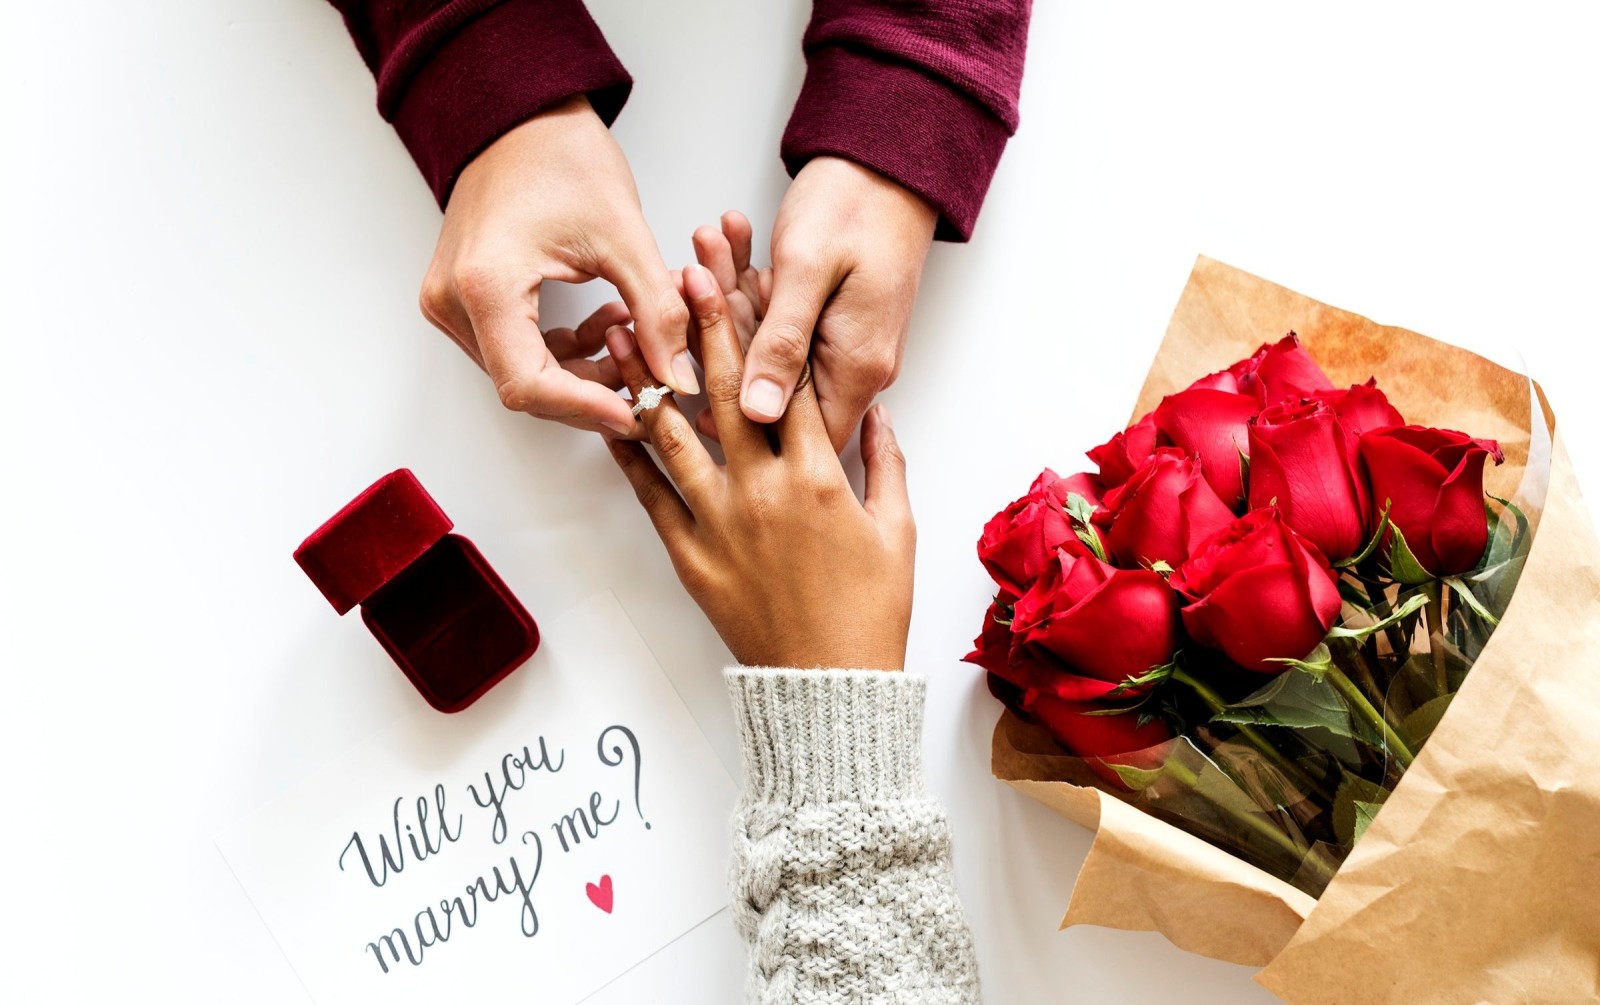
902 123
822 736
499 69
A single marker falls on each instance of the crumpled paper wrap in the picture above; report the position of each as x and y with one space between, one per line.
1479 881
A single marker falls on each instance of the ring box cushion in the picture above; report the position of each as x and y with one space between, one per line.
429 596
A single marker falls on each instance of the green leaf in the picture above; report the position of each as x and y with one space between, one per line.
1421 723
1464 591
1356 791
1403 565
1371 545
1082 512
1124 710
1265 695
1091 538
1522 523
1301 701
1317 662
1079 508
1137 779
1154 675
1365 812
1413 604
1244 469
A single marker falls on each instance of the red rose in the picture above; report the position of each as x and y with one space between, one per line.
1161 512
1304 461
1019 540
1100 738
1212 425
1103 624
1361 407
1433 481
1280 370
1121 455
1259 592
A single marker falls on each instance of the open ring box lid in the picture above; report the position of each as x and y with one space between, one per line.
429 596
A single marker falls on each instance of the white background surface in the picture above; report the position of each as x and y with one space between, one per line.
211 251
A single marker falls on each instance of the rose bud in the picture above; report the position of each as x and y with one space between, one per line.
1432 480
1026 667
1258 593
1019 540
1361 407
1304 461
1121 455
1103 624
1213 426
1161 512
1280 370
1115 739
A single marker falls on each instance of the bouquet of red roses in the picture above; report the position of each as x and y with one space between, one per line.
1257 608
1324 681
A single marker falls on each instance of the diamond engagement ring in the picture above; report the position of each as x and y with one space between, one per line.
650 397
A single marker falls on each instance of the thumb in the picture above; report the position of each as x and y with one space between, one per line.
660 318
887 500
781 345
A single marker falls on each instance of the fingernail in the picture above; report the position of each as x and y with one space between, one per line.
764 397
697 282
620 341
883 417
683 372
621 429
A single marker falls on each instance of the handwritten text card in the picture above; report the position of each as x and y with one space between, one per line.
538 844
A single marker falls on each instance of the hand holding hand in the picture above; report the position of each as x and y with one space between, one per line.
554 199
847 254
789 567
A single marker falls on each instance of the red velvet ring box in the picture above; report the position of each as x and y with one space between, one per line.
428 595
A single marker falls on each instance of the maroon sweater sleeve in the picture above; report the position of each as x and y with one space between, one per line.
922 91
453 75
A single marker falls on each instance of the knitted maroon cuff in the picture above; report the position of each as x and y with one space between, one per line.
499 69
902 123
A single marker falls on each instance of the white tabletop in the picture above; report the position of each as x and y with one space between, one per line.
212 250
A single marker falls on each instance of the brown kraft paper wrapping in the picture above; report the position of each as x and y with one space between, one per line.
1479 881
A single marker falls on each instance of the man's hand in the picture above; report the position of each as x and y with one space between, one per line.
847 254
554 199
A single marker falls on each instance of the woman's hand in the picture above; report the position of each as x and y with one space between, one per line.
773 546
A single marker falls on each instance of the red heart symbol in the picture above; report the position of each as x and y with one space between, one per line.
600 896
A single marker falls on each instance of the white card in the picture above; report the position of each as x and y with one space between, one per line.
609 841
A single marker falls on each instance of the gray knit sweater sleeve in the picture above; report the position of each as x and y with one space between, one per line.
842 885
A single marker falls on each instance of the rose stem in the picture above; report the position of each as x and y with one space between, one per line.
1261 828
1436 608
1380 606
1273 754
1364 670
1397 746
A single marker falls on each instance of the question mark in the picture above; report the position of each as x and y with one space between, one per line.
616 759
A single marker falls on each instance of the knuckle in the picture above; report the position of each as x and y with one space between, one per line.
725 385
695 575
670 441
892 456
674 314
515 395
474 281
880 369
434 298
786 345
650 493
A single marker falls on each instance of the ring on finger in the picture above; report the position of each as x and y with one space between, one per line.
650 397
